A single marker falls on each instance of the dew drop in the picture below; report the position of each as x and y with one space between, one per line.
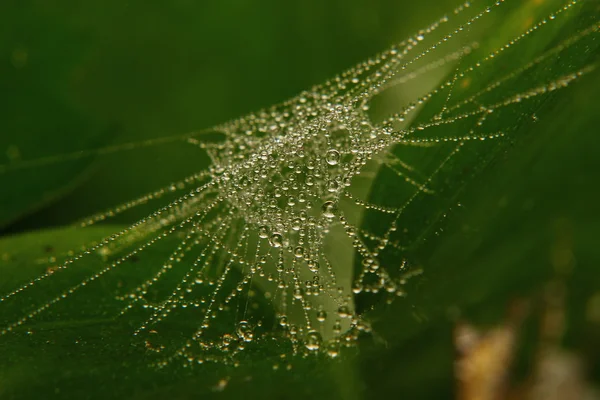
333 186
343 312
390 286
337 327
313 266
276 240
329 209
296 224
333 350
263 232
298 293
244 331
313 341
299 252
332 157
321 316
226 340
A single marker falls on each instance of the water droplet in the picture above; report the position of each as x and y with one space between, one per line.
276 240
299 252
263 232
332 157
337 327
321 316
390 286
313 341
329 209
333 349
298 293
226 340
313 266
333 186
296 224
344 312
244 331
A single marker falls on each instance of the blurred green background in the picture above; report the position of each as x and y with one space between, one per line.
81 75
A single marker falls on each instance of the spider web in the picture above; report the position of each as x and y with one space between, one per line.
305 204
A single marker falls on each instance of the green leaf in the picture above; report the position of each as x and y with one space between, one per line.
84 350
500 212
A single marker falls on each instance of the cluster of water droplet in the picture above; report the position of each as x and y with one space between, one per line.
262 223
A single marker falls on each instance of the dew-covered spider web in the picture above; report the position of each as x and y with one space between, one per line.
305 204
